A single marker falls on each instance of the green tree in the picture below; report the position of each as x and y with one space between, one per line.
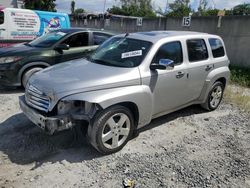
179 8
211 12
140 8
243 9
73 4
45 5
79 11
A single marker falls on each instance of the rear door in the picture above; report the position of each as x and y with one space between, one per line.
79 47
199 66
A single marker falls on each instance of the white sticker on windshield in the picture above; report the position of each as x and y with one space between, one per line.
132 54
61 33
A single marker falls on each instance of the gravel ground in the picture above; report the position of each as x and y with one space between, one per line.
188 148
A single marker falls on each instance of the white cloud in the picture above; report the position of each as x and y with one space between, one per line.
228 4
220 4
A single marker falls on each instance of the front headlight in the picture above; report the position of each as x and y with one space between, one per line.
10 59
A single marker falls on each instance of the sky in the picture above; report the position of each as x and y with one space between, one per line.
98 5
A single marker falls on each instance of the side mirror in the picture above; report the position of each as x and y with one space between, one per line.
62 47
163 65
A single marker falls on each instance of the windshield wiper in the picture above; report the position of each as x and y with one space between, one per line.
28 44
99 61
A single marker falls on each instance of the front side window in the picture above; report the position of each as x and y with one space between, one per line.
217 47
99 38
172 51
197 50
121 52
47 40
1 17
77 40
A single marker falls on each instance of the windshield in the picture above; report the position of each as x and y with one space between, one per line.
47 40
121 52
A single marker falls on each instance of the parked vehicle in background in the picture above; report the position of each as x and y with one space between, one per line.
128 81
19 62
22 25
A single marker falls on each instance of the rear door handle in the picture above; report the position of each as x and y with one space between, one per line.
180 75
208 68
2 29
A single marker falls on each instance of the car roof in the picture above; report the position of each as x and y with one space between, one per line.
154 36
73 30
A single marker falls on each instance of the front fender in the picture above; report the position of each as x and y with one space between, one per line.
213 76
29 65
140 95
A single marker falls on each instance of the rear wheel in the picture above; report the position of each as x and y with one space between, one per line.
112 129
214 97
27 74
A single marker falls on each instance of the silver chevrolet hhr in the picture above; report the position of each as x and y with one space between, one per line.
129 80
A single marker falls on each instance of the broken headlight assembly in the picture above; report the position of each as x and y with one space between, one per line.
66 107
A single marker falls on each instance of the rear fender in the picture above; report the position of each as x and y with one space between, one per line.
213 76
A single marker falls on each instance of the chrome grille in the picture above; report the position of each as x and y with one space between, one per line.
37 99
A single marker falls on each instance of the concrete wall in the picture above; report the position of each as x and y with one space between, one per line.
234 30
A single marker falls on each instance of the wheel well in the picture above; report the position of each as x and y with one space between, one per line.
222 80
133 108
31 67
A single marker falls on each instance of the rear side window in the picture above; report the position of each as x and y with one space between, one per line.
99 38
217 47
172 51
197 50
1 17
78 40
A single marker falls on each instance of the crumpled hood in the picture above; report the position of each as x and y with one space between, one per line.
15 50
81 76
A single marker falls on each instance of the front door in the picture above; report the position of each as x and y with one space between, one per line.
79 47
169 86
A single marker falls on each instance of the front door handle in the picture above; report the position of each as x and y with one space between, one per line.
180 75
2 29
208 68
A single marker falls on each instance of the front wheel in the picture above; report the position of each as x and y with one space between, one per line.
214 97
111 129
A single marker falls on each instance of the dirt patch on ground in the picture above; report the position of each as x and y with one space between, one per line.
189 148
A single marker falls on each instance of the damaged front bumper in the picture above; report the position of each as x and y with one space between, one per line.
48 124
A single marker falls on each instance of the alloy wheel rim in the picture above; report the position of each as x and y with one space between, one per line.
116 131
215 97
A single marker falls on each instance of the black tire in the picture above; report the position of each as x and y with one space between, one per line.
99 124
208 104
27 74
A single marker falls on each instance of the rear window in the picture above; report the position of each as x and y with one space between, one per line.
197 50
1 17
217 47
